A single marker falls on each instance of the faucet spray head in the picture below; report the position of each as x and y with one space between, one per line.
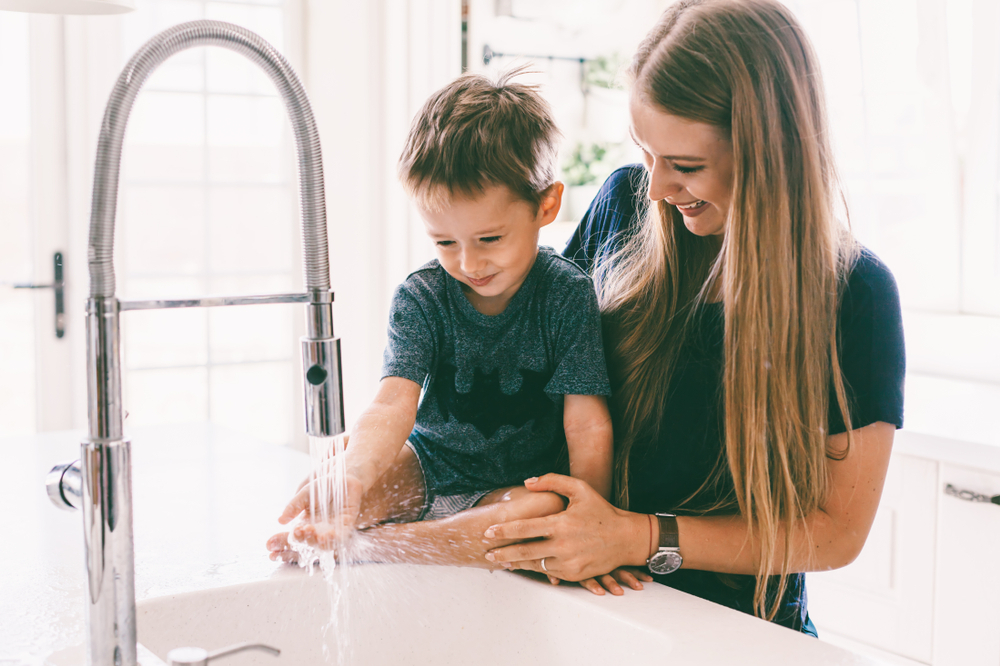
321 378
323 387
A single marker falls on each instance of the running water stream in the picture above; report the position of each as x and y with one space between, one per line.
353 605
327 498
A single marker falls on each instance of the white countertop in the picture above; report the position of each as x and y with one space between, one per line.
974 455
206 500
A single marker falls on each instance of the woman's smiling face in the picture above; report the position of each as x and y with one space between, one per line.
690 165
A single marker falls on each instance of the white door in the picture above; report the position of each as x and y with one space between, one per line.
17 403
35 365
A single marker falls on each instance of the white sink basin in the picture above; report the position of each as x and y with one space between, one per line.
411 615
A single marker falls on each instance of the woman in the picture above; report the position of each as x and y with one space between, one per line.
744 327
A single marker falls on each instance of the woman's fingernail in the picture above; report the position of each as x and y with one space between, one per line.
490 532
533 479
491 557
507 565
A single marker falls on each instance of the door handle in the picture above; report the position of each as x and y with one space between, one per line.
58 286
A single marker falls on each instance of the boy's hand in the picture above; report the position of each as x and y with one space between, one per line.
634 577
279 548
320 527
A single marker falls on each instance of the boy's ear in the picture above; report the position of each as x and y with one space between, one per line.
548 209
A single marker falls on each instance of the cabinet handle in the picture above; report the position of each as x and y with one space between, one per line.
970 495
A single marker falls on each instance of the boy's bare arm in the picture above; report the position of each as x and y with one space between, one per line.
382 429
589 438
376 440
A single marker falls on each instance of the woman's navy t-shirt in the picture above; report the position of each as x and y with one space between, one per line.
690 443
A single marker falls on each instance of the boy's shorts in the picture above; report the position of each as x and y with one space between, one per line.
437 507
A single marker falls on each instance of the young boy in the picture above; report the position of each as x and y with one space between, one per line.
494 362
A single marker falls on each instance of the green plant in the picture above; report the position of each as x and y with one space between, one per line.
602 71
585 164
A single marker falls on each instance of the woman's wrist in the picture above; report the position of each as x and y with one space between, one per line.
654 535
642 539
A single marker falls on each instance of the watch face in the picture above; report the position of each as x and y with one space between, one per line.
665 561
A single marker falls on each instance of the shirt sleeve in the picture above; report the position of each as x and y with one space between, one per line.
614 210
872 350
579 351
409 352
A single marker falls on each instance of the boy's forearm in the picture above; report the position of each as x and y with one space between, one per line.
376 439
381 430
589 439
592 461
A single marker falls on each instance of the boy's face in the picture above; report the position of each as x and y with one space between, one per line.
489 243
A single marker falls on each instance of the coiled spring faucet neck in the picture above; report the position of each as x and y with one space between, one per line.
109 150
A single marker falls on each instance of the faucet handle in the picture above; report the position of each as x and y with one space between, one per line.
64 484
192 656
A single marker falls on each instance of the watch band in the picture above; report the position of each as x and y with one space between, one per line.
669 534
667 558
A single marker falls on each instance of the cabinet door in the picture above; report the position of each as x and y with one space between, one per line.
885 597
967 604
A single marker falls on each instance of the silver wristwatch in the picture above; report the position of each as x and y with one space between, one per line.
667 558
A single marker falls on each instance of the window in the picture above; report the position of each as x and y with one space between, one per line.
918 146
207 205
975 39
891 121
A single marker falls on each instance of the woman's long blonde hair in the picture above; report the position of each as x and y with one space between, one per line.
745 67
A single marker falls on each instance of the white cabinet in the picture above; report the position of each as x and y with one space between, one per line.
927 585
967 600
885 598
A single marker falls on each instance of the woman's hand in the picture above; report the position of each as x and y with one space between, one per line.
586 541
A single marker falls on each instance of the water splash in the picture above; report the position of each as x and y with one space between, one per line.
327 500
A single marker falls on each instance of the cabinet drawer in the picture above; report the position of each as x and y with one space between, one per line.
967 603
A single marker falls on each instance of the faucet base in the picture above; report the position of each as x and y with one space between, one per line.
106 470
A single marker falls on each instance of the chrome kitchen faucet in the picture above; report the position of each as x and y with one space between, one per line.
100 483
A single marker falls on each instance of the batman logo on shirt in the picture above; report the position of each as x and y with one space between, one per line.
486 407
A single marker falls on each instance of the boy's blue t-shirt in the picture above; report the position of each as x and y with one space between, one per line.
490 414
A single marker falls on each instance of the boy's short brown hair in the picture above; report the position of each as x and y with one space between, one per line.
474 133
